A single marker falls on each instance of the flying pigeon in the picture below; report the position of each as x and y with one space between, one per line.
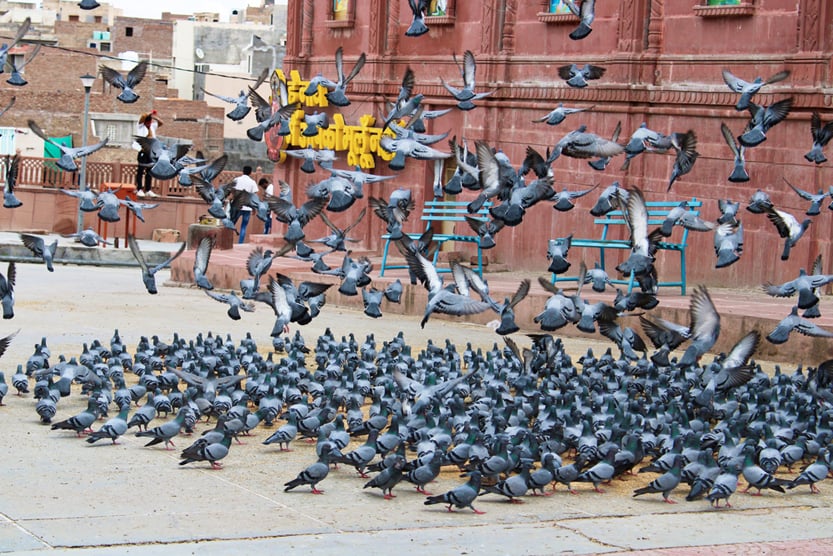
149 273
577 76
587 13
201 258
39 248
420 9
821 136
10 200
241 108
88 237
739 173
68 154
747 89
466 96
126 84
793 322
16 77
6 47
815 200
560 113
763 119
788 228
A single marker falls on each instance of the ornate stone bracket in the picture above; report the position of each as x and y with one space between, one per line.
557 19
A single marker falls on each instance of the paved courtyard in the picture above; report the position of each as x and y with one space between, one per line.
61 494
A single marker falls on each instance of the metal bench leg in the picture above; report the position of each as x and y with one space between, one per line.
682 272
479 260
384 257
630 282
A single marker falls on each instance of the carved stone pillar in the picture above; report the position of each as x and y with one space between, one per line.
392 39
655 26
306 30
487 39
507 41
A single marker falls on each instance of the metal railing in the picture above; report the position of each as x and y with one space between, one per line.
43 172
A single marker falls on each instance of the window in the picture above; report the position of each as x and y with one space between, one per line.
104 47
128 31
724 8
340 9
17 62
117 128
438 7
7 135
97 19
558 7
73 18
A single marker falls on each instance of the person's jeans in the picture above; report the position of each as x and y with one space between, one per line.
267 226
143 172
244 214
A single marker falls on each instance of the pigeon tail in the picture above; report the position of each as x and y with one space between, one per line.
255 133
308 167
454 185
416 28
128 97
338 98
559 265
739 174
580 32
725 257
752 138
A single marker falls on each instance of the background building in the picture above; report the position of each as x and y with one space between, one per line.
664 62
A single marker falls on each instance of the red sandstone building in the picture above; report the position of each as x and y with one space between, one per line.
664 62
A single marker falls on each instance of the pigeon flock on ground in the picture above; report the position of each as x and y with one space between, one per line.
513 420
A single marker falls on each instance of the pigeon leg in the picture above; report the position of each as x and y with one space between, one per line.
316 491
423 491
599 490
669 501
216 465
814 489
514 501
475 510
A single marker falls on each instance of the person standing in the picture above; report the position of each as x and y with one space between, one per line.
146 127
245 183
268 191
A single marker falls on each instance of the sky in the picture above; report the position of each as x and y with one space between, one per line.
152 9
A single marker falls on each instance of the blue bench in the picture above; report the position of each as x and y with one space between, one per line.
438 212
657 213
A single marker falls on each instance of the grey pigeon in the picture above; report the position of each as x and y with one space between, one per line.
747 89
125 83
460 497
587 13
688 219
728 211
507 310
16 67
166 431
804 285
602 472
759 203
563 200
39 248
756 476
201 257
514 486
7 291
314 122
68 154
724 486
6 47
466 96
202 450
324 158
109 203
138 208
388 478
559 309
813 473
485 229
241 108
763 119
614 197
296 217
637 143
739 173
10 200
821 136
560 113
557 251
112 429
601 163
793 322
405 103
267 118
665 483
705 326
580 143
149 273
313 474
393 291
420 9
395 211
336 89
578 76
235 303
815 200
372 300
88 237
788 228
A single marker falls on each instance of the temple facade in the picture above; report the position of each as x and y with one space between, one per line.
664 63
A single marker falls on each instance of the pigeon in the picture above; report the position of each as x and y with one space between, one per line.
285 434
563 200
788 228
336 90
577 76
466 96
514 486
164 159
496 175
201 258
313 474
340 192
393 291
665 483
235 303
804 285
559 114
759 203
559 309
507 310
16 77
793 322
462 496
685 146
6 47
821 136
587 13
336 240
81 422
295 217
815 200
361 456
755 476
10 200
602 472
205 173
557 251
314 122
395 211
407 147
728 243
388 478
241 108
580 143
812 474
267 118
68 154
7 292
485 229
739 173
149 273
110 203
728 211
688 219
137 208
763 119
420 9
705 326
747 89
88 237
112 429
166 431
601 163
725 484
257 264
614 197
324 158
202 450
40 249
125 83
